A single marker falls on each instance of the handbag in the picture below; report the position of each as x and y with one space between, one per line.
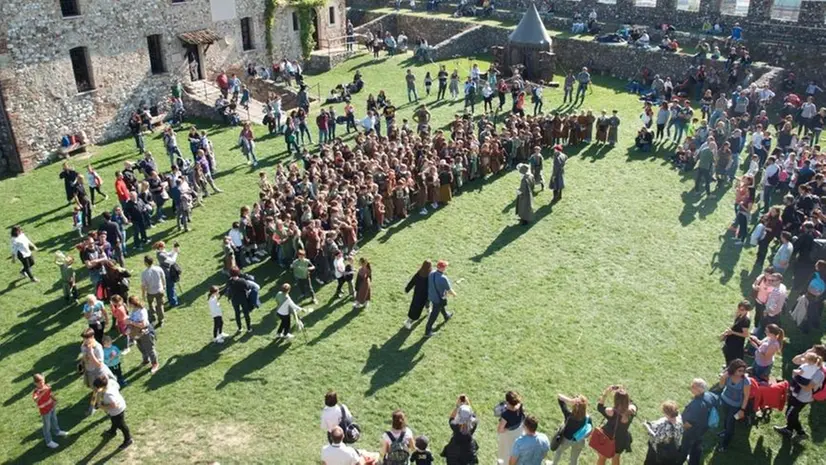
556 441
601 443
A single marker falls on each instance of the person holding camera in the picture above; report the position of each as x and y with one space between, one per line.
617 421
462 447
573 432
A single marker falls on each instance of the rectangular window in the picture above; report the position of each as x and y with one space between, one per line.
156 62
645 3
734 7
246 34
786 10
332 15
607 2
69 8
295 21
688 5
82 68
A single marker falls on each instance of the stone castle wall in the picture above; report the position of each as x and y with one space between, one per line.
39 89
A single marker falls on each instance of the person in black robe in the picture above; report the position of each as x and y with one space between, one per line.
418 283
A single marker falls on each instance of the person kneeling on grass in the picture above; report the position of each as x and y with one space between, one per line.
286 308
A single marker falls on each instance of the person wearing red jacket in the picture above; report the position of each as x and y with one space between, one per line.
121 189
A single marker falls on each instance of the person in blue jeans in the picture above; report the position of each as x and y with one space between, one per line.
166 259
438 288
735 399
695 421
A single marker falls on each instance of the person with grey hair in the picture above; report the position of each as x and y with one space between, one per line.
462 448
524 195
695 421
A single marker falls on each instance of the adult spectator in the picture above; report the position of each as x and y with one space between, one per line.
142 332
153 280
665 435
418 284
575 428
238 291
398 442
462 447
115 405
510 423
23 249
438 289
95 313
333 414
617 421
766 349
735 399
797 401
338 453
695 421
93 258
531 447
91 357
115 280
584 80
167 260
775 301
135 209
734 338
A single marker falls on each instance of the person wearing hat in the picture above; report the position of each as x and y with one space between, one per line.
557 182
462 447
524 195
613 128
438 288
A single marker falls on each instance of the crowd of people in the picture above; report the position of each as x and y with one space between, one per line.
311 214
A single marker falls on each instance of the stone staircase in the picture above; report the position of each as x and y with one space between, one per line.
204 94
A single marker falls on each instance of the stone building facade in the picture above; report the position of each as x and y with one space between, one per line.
43 97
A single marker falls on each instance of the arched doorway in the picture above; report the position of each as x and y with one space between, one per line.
314 16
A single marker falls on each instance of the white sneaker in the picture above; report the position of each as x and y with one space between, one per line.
423 211
434 205
52 445
408 324
219 340
62 434
125 351
223 335
289 336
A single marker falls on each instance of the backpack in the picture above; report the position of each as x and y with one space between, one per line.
713 414
499 409
398 454
175 272
352 431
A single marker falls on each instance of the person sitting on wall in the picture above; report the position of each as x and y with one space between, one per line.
736 33
487 8
577 24
251 71
401 42
624 32
610 39
644 40
423 51
594 27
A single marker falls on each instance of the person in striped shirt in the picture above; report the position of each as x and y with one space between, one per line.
46 403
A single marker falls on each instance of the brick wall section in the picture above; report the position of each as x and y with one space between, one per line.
42 97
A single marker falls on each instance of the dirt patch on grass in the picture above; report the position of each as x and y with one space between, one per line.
188 442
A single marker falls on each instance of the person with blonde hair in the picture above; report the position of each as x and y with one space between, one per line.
574 431
665 436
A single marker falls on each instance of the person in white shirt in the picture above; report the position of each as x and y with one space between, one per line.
771 179
368 122
331 414
756 140
286 308
218 334
338 453
754 166
22 249
807 113
342 274
111 400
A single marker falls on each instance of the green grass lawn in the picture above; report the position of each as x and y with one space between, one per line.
627 280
